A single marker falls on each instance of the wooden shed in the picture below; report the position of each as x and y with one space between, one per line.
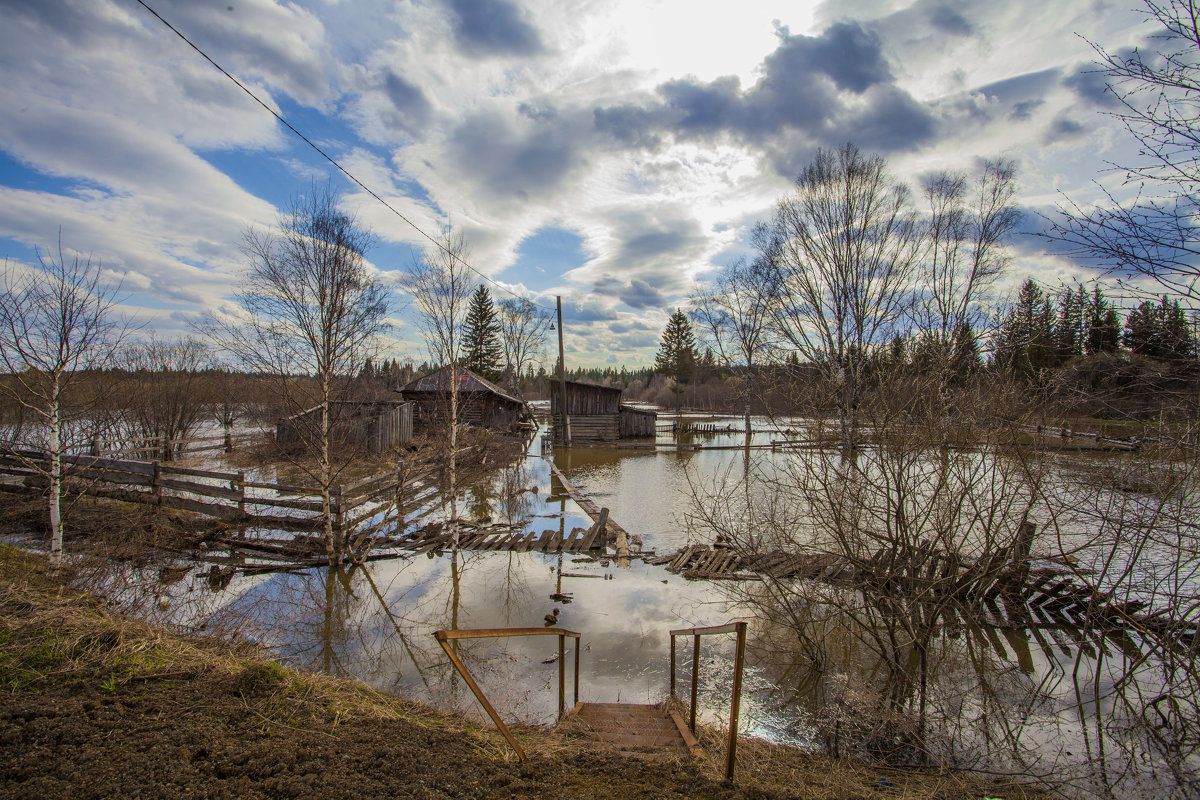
595 413
480 402
376 425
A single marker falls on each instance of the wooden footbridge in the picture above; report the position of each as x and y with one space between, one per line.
629 727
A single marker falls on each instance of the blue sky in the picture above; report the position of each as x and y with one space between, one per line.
613 152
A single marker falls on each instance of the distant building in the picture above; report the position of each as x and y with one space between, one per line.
480 402
595 413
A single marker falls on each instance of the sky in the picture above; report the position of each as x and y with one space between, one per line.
615 153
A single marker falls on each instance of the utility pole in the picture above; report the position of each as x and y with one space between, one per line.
562 374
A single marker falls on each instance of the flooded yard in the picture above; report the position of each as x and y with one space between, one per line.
1048 701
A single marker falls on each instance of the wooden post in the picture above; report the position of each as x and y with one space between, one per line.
241 487
562 675
96 446
483 701
400 497
695 675
577 644
735 704
672 665
562 374
155 486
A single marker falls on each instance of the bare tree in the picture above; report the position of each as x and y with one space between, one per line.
966 233
166 393
844 247
56 320
440 283
309 305
1154 232
523 330
734 312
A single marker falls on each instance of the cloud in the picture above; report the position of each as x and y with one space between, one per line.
640 294
813 91
949 21
1090 83
846 51
519 158
493 28
411 106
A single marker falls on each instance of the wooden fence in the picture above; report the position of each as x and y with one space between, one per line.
360 509
163 446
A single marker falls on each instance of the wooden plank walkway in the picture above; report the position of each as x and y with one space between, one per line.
988 590
630 727
613 532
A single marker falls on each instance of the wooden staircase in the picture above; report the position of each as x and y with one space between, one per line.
634 727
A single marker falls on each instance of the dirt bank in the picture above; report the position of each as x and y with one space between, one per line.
99 705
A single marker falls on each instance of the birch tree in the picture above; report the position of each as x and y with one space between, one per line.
56 319
310 306
523 328
439 281
844 247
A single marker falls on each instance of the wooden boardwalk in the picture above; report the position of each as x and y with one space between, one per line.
435 537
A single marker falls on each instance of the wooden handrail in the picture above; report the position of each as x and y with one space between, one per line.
739 628
445 637
730 627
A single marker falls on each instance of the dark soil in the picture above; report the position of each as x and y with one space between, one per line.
95 704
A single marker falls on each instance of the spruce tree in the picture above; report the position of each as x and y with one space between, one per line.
481 336
677 353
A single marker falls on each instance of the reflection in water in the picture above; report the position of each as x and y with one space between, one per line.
824 670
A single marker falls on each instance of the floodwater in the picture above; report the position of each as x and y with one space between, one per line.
1045 702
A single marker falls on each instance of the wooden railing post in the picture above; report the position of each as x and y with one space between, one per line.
241 487
446 637
155 485
562 675
672 665
479 695
735 704
695 675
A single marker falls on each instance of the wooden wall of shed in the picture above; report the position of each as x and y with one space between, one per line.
636 423
377 428
584 400
597 427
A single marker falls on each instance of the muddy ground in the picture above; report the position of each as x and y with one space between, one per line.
96 704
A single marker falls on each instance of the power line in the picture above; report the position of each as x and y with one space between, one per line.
333 161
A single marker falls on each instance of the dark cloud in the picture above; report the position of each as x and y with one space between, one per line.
949 21
640 294
799 102
1024 109
668 238
628 124
493 28
1063 127
892 121
523 162
1092 85
848 53
704 108
411 106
